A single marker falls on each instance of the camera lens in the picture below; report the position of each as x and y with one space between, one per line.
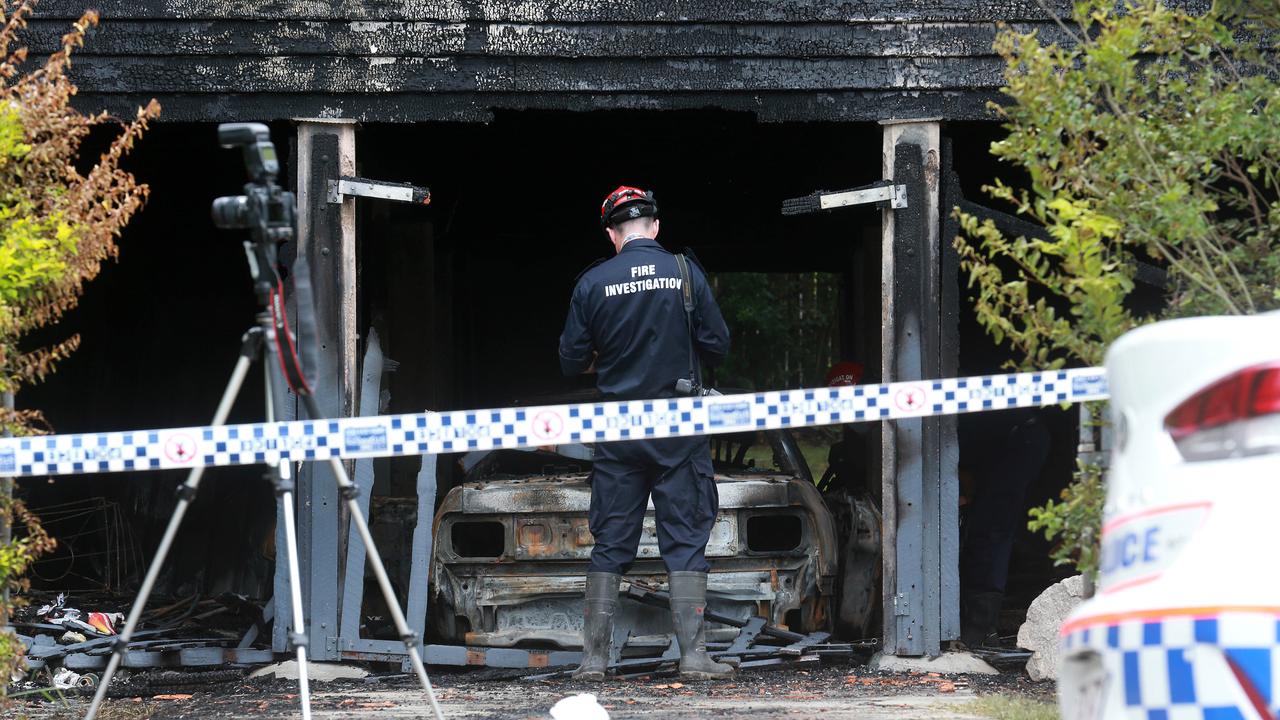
231 213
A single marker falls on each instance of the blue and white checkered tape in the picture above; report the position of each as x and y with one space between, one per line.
1188 667
465 430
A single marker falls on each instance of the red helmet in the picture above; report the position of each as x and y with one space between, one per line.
627 203
845 373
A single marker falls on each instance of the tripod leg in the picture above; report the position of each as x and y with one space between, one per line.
298 638
186 493
283 479
349 491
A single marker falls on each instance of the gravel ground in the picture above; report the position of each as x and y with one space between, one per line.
832 692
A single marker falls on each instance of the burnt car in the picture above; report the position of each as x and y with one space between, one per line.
512 547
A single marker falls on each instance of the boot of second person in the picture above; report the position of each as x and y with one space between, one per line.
980 619
688 605
597 625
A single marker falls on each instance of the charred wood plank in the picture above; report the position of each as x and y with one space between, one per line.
330 74
102 643
837 106
670 11
748 634
594 40
948 316
800 646
770 662
254 38
1010 225
353 572
661 599
869 39
1014 226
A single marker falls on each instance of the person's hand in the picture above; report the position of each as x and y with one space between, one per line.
591 369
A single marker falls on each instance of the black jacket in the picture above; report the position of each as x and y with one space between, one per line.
630 310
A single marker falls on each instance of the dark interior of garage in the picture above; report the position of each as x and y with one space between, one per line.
468 297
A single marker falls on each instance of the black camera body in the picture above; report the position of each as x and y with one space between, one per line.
269 213
265 209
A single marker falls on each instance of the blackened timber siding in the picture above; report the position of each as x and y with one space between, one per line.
540 11
410 60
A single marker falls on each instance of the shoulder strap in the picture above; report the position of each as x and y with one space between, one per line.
686 287
587 269
686 291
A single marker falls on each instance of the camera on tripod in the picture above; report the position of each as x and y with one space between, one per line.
265 209
268 212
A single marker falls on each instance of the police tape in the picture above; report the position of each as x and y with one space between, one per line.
521 427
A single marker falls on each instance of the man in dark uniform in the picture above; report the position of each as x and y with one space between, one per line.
1003 454
627 319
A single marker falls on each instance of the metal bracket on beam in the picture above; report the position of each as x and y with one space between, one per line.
901 605
363 187
894 195
884 194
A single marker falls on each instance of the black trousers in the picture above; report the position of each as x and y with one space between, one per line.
677 473
999 509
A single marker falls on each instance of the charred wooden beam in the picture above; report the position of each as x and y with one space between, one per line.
327 74
838 106
918 469
251 38
664 11
326 235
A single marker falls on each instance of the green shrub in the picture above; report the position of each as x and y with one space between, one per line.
57 226
1152 137
15 557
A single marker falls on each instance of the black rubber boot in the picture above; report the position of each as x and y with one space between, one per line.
688 602
979 619
597 626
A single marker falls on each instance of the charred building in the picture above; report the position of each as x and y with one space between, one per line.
519 117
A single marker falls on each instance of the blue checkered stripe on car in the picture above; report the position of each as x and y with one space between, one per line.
1171 669
465 430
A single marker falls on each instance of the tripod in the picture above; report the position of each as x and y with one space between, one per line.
267 212
255 344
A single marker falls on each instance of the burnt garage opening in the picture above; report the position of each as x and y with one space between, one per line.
515 217
467 296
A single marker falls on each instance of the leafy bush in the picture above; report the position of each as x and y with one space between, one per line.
57 226
1075 521
1152 136
15 557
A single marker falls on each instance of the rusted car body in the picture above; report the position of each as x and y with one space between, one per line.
512 546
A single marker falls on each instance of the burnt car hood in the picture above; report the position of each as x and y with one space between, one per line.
572 493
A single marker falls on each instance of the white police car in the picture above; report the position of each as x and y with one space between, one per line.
1186 620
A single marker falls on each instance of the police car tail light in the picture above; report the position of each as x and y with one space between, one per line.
1235 416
